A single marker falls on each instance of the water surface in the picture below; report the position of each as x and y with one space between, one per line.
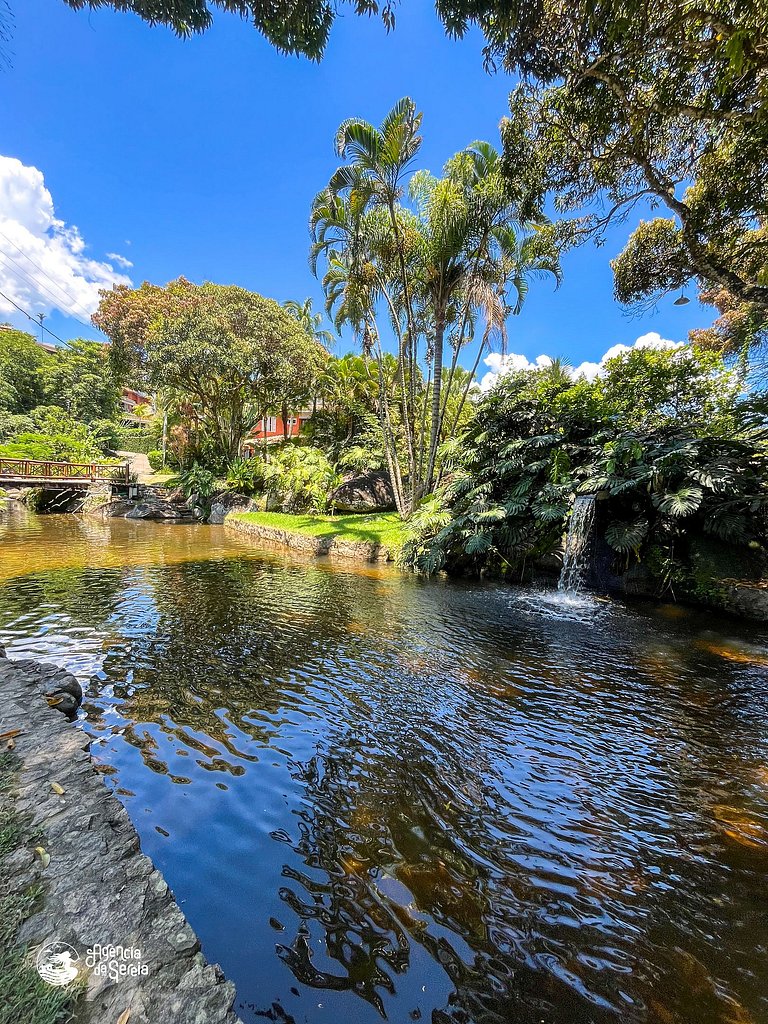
378 797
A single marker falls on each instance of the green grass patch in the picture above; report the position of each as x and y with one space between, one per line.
24 996
385 528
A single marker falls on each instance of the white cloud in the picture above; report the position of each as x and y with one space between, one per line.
43 265
512 361
499 364
121 261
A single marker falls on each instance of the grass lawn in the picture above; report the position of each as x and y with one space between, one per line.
383 528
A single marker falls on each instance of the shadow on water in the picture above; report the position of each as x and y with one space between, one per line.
378 797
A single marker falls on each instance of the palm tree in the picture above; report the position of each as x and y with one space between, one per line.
302 311
354 241
377 160
437 267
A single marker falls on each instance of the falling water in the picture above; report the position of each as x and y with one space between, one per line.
578 545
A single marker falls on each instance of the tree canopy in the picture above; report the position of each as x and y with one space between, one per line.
292 27
229 354
21 362
626 101
80 379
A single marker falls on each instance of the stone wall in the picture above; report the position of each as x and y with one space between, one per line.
99 889
336 547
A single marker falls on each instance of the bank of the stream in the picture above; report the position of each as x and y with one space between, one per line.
367 538
74 880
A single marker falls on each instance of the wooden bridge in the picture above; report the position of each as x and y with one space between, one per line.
55 475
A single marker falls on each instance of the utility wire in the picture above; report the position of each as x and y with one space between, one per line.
34 319
45 274
37 284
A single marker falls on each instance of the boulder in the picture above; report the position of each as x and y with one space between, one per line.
225 502
369 492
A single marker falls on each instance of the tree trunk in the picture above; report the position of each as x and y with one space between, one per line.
437 382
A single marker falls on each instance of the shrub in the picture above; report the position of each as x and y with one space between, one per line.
55 435
300 479
136 440
246 476
195 480
155 459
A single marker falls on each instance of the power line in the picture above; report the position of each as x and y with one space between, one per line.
34 319
37 284
29 280
45 273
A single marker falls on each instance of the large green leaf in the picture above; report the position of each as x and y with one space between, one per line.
626 537
679 503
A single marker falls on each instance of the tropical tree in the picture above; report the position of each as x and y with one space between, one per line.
81 380
432 267
311 322
644 105
21 362
227 354
292 28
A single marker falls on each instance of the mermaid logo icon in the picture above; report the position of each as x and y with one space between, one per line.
58 963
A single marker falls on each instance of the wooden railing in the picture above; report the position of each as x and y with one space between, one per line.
38 470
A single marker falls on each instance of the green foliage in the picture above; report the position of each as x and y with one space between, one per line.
221 355
435 267
80 379
507 499
299 478
311 322
347 425
661 103
12 424
130 439
663 439
246 476
290 27
55 436
21 377
197 480
155 457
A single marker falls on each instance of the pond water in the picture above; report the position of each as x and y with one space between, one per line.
379 797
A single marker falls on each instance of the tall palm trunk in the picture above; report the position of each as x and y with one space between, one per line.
437 382
390 447
465 392
409 418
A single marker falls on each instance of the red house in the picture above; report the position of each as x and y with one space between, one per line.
271 429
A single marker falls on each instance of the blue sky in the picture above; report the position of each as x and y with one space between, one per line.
201 157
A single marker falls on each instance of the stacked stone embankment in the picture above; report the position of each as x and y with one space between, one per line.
99 890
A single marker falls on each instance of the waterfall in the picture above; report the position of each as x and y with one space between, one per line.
578 545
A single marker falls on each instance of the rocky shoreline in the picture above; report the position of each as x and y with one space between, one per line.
100 891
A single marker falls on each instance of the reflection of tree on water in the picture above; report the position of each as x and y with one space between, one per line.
385 869
551 821
406 842
229 649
